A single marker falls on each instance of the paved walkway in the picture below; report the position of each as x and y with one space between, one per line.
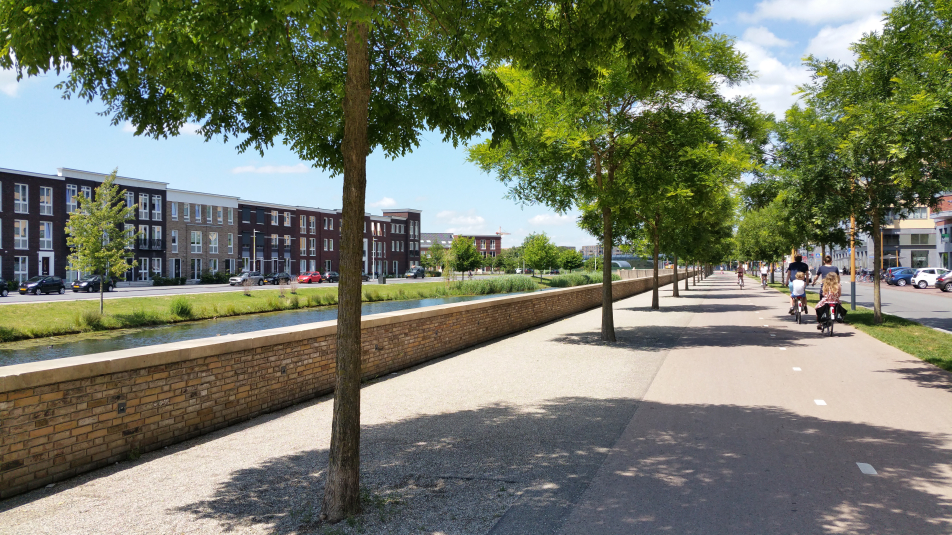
703 418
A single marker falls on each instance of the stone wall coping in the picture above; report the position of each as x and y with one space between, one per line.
34 374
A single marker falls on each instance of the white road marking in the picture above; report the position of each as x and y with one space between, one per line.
782 349
866 469
766 325
797 369
819 402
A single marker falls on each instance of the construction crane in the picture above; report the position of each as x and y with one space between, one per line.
501 233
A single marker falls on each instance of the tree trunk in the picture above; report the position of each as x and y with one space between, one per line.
675 284
102 283
608 318
655 305
771 272
877 262
342 491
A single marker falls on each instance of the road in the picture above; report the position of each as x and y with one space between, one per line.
147 291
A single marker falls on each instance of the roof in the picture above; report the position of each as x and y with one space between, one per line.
429 238
30 173
121 180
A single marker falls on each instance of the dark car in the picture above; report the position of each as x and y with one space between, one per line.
944 282
91 284
416 272
900 277
277 278
3 287
330 276
43 284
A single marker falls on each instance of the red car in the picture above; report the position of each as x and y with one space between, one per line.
310 276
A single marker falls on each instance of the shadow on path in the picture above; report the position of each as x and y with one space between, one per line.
664 338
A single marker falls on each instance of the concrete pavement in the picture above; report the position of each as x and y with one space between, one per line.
714 415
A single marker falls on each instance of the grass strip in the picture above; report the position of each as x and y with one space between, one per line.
920 341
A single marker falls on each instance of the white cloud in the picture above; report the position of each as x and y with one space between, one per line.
462 223
817 11
760 35
833 42
775 81
272 169
8 82
190 129
386 202
550 219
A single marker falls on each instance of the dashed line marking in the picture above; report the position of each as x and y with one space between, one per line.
866 469
819 402
797 369
782 348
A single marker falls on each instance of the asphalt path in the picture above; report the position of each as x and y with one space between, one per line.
148 291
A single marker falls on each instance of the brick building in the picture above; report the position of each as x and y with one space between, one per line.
202 233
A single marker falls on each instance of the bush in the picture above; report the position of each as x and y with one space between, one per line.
497 285
89 320
159 280
138 318
219 277
182 308
578 279
434 273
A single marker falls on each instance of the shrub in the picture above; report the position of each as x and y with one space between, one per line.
273 303
219 277
579 279
182 308
138 318
294 302
496 285
89 320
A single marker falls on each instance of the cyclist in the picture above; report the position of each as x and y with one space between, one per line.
830 300
798 289
797 266
764 270
823 271
740 274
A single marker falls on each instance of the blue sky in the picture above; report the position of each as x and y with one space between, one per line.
40 131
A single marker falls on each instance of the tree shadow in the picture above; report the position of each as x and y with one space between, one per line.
689 469
700 307
665 338
925 376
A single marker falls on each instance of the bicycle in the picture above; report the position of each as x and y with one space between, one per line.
740 281
763 281
826 325
800 309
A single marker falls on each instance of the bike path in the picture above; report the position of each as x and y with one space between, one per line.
754 424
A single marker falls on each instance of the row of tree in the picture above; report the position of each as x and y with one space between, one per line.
869 140
537 252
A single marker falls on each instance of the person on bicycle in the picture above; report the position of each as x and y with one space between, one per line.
797 266
798 289
830 298
740 274
764 270
825 270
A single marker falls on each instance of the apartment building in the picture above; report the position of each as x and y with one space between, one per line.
269 234
943 231
202 234
34 208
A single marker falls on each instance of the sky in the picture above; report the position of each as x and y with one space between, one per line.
41 131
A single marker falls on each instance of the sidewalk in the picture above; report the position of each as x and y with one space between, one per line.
694 422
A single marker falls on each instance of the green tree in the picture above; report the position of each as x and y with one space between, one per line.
510 259
435 255
539 252
570 259
96 235
333 79
464 254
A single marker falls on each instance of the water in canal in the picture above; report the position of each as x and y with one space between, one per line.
58 347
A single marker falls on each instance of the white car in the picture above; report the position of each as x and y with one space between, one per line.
925 277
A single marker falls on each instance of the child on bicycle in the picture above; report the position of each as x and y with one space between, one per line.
830 302
798 289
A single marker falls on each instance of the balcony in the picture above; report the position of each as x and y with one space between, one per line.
147 244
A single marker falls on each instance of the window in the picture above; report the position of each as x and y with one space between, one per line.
156 208
287 240
221 215
287 219
303 246
173 240
213 265
919 239
303 224
196 243
174 211
46 235
231 243
919 212
274 217
156 237
157 266
332 223
130 198
303 265
208 214
274 240
46 201
231 216
143 236
492 244
21 198
71 193
325 222
330 242
395 265
482 244
313 243
130 233
920 259
246 215
198 213
20 268
20 234
195 268
212 243
327 265
143 206
186 212
325 244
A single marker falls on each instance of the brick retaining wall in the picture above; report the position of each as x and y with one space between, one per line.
59 418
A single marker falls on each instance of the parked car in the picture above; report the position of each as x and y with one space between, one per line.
254 277
277 278
3 287
927 277
330 276
944 282
91 284
43 284
416 272
554 272
309 277
900 277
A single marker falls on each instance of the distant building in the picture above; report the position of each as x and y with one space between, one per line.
488 245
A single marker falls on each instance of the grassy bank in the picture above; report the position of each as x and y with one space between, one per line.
926 343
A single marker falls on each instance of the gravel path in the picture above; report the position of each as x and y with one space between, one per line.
501 438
